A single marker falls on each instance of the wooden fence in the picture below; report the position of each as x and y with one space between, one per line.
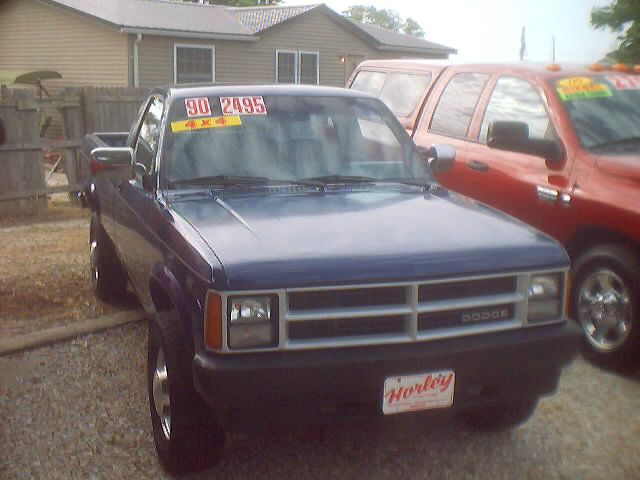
23 186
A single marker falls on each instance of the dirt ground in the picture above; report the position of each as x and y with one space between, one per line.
44 270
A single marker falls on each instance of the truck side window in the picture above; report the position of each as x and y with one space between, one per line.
402 92
457 104
516 100
147 141
369 82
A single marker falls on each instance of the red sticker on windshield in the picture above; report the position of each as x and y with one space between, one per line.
243 106
197 107
623 82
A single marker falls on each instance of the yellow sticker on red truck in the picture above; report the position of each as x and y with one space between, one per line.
579 88
205 123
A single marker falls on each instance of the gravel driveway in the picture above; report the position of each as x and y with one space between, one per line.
79 410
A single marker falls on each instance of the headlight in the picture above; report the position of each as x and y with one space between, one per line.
252 322
545 298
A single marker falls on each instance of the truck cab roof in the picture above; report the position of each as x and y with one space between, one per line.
223 90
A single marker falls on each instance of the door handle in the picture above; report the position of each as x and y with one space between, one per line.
546 194
478 166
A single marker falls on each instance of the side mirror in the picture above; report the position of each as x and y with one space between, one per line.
3 132
440 158
514 137
115 164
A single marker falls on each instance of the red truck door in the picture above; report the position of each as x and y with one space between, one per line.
447 119
525 186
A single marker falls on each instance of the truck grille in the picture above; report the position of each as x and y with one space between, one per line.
364 315
377 314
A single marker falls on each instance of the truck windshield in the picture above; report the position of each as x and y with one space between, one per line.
254 139
604 110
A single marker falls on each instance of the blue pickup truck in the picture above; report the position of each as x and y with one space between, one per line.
299 262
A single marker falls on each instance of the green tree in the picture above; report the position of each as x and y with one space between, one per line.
623 17
411 27
385 18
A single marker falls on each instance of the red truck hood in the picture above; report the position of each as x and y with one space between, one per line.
626 166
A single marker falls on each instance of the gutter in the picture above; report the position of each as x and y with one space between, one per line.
391 48
182 34
136 60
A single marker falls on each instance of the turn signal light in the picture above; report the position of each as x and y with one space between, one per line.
620 67
596 67
213 321
554 67
636 69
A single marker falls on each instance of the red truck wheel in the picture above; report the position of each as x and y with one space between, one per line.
606 293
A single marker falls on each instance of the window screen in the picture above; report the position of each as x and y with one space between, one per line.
309 68
194 65
516 100
457 104
286 67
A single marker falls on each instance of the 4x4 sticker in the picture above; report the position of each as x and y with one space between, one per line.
205 123
579 88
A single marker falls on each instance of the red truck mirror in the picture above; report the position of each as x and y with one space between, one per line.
3 132
514 137
115 164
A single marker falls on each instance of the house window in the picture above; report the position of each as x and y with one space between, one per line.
309 68
194 64
286 67
297 67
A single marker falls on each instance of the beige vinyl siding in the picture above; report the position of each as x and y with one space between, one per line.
35 36
242 62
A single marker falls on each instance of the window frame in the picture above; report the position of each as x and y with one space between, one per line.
297 56
308 52
479 102
296 75
494 86
212 48
136 139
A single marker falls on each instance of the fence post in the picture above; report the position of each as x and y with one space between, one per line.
21 170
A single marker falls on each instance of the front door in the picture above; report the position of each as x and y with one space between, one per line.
132 231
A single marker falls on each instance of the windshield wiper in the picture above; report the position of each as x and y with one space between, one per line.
224 180
307 183
326 179
614 143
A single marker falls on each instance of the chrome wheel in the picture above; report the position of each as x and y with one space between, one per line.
161 399
604 310
93 260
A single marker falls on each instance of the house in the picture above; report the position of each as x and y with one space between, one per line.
156 42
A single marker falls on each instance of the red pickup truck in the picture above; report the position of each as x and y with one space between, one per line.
556 146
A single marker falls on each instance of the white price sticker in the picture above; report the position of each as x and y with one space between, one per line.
243 106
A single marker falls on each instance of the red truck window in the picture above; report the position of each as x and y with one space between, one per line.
516 100
402 92
369 82
457 104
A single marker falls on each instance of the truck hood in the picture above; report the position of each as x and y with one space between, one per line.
279 240
626 166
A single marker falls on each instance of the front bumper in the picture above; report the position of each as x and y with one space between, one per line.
246 390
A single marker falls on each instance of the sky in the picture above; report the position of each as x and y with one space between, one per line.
490 30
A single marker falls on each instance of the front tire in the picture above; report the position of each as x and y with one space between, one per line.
183 431
495 418
606 302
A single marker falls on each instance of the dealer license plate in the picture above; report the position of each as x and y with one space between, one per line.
418 392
